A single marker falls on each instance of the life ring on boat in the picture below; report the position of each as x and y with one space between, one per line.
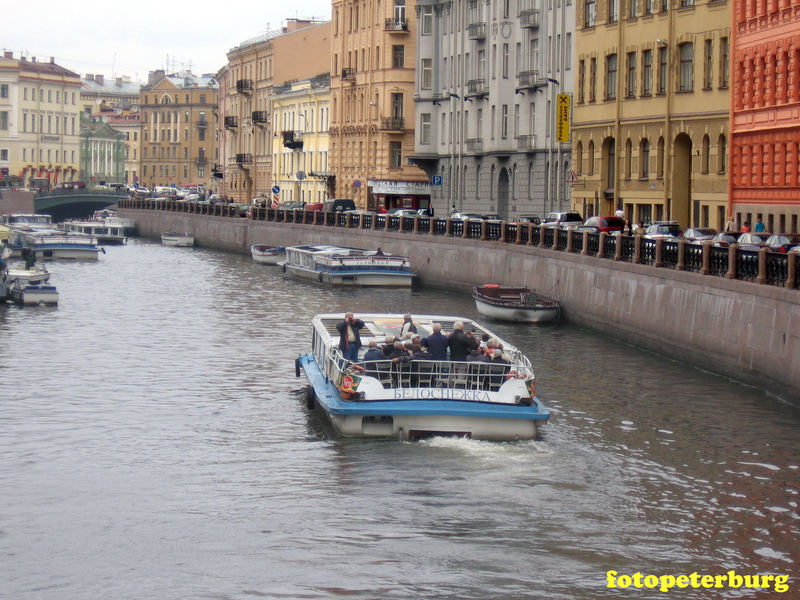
490 285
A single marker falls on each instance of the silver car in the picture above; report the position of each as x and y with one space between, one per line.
564 219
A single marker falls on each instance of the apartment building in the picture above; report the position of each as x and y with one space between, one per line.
373 60
39 122
765 115
178 144
650 128
298 51
301 117
489 75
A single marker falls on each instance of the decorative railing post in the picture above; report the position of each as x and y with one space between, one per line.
483 231
373 221
386 222
432 226
618 248
465 230
602 244
416 223
530 234
503 232
706 268
518 240
637 249
541 236
762 266
361 221
448 227
681 266
659 251
731 274
791 263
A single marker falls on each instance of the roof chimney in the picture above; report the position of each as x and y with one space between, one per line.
52 60
119 81
33 59
98 79
8 54
90 76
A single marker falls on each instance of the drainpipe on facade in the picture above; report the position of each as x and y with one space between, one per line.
668 120
618 112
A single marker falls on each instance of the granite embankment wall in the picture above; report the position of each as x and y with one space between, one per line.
747 331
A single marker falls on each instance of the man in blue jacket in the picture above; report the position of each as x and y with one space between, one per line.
436 343
349 338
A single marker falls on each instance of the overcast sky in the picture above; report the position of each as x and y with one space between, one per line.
107 38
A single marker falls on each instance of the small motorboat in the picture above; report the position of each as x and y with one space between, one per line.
28 294
172 238
337 265
515 304
267 255
35 274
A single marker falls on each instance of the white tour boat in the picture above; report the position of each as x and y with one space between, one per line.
415 399
515 304
28 294
172 238
267 255
105 225
337 265
51 244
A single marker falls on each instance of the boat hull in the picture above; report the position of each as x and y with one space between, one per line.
534 314
181 241
353 278
34 294
66 252
27 276
267 255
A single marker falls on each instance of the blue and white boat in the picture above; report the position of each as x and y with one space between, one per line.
51 244
416 399
264 254
26 294
338 265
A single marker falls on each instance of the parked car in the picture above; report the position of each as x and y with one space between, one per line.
699 234
663 229
409 213
783 243
723 239
459 216
599 224
338 205
492 217
528 219
563 219
751 241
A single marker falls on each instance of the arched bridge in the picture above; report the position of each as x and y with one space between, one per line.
67 204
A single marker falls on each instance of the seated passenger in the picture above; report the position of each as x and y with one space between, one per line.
372 354
388 347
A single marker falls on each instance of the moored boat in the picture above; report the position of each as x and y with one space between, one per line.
515 304
35 274
30 294
173 238
267 255
51 244
338 265
415 399
105 225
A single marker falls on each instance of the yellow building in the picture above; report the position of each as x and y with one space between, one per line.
300 117
39 124
372 104
650 124
178 142
297 51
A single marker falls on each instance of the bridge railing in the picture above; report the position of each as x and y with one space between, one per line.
763 266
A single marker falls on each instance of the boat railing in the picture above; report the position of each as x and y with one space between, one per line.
429 373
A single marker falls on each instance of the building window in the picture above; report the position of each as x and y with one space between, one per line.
425 128
722 154
398 56
568 52
3 90
632 9
644 159
662 70
628 158
704 154
686 3
505 61
647 71
611 76
426 79
3 120
708 68
723 62
581 79
660 165
592 79
590 158
687 67
649 7
589 13
395 154
631 74
613 11
504 122
202 98
426 27
579 158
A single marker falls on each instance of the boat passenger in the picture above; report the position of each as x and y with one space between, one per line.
436 343
372 354
408 325
460 343
349 338
388 346
476 355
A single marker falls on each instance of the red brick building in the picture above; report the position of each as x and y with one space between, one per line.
765 113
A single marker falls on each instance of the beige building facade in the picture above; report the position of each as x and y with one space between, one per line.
298 51
651 119
178 141
372 132
39 122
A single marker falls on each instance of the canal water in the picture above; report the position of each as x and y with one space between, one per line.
155 444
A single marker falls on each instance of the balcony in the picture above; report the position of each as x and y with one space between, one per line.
476 31
244 86
200 161
526 143
231 122
292 139
475 145
260 117
202 123
393 124
396 25
243 159
349 74
529 18
477 87
531 80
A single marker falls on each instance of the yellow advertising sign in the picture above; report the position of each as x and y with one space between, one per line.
563 117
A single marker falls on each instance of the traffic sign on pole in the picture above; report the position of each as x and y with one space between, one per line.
563 117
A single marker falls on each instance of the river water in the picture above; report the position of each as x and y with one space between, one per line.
154 444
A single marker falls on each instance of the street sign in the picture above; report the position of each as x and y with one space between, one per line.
436 180
276 189
563 117
300 175
136 184
572 177
357 183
